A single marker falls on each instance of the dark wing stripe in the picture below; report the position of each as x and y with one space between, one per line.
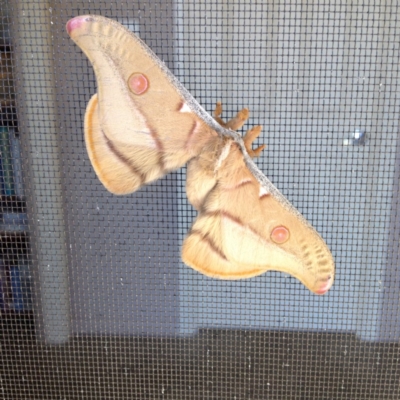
190 135
206 238
233 218
135 170
240 184
160 147
154 135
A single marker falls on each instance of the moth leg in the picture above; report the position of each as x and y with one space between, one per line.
217 114
249 138
238 121
235 123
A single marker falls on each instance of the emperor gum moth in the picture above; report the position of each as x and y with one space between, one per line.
142 123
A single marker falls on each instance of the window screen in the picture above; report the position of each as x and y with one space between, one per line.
95 301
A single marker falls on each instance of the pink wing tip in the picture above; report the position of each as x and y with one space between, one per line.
74 23
325 286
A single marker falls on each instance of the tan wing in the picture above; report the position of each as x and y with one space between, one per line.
243 231
140 118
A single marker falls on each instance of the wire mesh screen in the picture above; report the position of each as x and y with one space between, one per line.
95 300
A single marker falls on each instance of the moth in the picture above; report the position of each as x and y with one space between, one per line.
142 123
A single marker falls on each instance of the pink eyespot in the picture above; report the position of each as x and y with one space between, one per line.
280 234
138 83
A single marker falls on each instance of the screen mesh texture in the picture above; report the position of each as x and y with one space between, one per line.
95 302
